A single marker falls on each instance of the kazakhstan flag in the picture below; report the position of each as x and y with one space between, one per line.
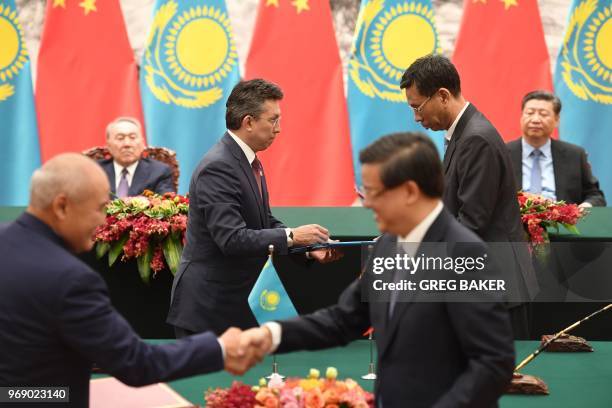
583 81
390 35
189 67
20 152
269 299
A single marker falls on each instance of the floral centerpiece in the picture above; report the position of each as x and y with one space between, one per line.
310 392
539 214
150 228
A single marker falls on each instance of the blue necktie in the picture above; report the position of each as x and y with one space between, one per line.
536 172
123 188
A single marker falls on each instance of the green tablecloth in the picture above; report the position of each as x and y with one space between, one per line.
574 379
345 222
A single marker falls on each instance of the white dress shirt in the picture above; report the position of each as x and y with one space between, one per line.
546 165
129 176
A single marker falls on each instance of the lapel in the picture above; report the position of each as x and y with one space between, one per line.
248 172
138 178
559 156
110 172
435 233
450 150
516 153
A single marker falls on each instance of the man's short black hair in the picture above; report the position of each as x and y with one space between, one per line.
430 73
248 98
542 95
407 156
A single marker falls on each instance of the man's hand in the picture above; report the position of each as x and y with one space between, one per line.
309 235
326 255
239 356
259 339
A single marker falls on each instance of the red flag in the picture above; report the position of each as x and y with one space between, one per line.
501 55
310 162
87 75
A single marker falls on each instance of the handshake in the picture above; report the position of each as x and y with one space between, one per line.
244 349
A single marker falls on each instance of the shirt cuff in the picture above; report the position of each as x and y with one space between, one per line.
586 204
276 332
222 348
289 240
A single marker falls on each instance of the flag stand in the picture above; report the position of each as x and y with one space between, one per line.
275 372
371 375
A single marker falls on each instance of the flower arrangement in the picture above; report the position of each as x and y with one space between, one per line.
150 228
309 392
538 214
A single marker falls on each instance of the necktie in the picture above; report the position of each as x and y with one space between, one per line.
258 173
536 172
122 189
446 141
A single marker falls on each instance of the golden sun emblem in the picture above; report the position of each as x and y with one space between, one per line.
586 54
13 53
269 300
188 55
388 42
598 44
196 62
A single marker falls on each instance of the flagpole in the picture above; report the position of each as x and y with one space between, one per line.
275 372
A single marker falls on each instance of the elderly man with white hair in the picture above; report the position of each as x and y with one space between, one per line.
56 315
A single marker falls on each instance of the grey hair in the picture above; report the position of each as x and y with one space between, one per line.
65 173
129 119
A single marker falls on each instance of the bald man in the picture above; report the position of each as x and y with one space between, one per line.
56 316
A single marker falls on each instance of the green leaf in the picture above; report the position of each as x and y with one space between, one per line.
172 252
572 228
101 249
144 265
116 249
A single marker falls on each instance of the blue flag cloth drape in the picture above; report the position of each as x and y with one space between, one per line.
583 81
20 152
189 67
389 36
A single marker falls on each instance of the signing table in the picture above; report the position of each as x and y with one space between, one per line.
574 379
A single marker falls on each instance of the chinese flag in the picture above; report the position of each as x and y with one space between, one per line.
87 75
501 55
309 164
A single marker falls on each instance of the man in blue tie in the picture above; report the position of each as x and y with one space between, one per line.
555 169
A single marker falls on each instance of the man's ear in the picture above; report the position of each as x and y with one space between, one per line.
445 94
59 206
412 191
247 122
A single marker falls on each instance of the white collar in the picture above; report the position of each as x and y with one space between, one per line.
130 169
248 152
418 233
451 129
528 149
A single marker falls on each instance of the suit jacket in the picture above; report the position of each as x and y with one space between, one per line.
150 174
430 354
480 191
57 319
574 181
229 230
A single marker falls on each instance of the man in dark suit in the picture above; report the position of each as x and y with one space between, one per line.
56 315
480 190
430 354
230 223
555 169
128 173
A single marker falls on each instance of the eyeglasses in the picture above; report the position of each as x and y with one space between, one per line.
364 193
419 108
274 122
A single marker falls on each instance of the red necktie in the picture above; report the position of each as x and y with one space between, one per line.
258 173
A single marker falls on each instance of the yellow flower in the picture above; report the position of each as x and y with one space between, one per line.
331 373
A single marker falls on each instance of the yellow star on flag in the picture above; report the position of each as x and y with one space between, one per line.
272 3
59 3
88 5
509 3
301 5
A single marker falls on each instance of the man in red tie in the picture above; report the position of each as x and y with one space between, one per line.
230 223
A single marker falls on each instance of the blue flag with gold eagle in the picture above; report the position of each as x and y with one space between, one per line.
20 152
390 35
268 298
189 67
583 82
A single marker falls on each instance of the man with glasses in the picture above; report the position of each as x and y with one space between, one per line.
480 190
230 223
